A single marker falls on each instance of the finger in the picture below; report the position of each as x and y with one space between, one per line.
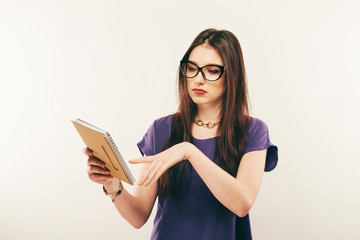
97 170
148 159
95 162
160 170
88 152
146 173
99 177
142 179
156 177
152 172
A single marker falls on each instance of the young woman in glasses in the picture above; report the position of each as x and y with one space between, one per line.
204 163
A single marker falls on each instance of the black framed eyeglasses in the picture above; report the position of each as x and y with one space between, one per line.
211 72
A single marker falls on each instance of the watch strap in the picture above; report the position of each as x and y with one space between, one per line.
114 194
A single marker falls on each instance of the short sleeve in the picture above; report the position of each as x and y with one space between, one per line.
156 136
258 139
146 144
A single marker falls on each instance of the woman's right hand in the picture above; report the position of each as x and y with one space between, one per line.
98 172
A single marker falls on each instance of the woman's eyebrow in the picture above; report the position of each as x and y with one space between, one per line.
218 64
192 61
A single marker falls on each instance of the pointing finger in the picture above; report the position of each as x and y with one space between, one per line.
141 160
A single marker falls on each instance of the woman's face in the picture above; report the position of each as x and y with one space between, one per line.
203 92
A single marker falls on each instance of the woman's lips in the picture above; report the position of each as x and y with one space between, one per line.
199 91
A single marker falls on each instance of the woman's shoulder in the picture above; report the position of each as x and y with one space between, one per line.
256 125
164 121
156 136
163 124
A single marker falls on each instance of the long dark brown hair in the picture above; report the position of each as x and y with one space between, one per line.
234 119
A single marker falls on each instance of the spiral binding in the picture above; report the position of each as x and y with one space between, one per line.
120 159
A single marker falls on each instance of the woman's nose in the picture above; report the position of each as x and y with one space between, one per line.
199 79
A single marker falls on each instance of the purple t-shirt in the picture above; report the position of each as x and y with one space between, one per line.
199 217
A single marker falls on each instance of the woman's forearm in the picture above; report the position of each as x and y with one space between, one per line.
231 192
134 208
237 194
131 209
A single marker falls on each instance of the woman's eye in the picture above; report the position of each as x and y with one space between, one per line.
190 68
214 71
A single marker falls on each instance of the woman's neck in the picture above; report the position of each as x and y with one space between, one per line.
208 114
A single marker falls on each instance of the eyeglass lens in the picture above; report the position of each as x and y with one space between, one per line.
210 73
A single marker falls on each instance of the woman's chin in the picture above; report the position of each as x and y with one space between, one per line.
198 101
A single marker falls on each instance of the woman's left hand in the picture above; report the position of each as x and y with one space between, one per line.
161 162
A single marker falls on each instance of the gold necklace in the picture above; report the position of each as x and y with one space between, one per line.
208 125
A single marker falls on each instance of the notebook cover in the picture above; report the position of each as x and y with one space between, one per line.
97 142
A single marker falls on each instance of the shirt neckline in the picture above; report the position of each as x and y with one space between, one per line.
204 139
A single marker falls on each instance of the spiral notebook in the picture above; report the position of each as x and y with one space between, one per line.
104 148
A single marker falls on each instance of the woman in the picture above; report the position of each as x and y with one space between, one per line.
205 163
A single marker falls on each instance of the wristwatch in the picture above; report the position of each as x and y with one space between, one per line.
114 194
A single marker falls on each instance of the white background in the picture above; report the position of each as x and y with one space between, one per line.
114 64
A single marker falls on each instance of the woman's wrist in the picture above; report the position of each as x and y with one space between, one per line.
188 150
112 186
